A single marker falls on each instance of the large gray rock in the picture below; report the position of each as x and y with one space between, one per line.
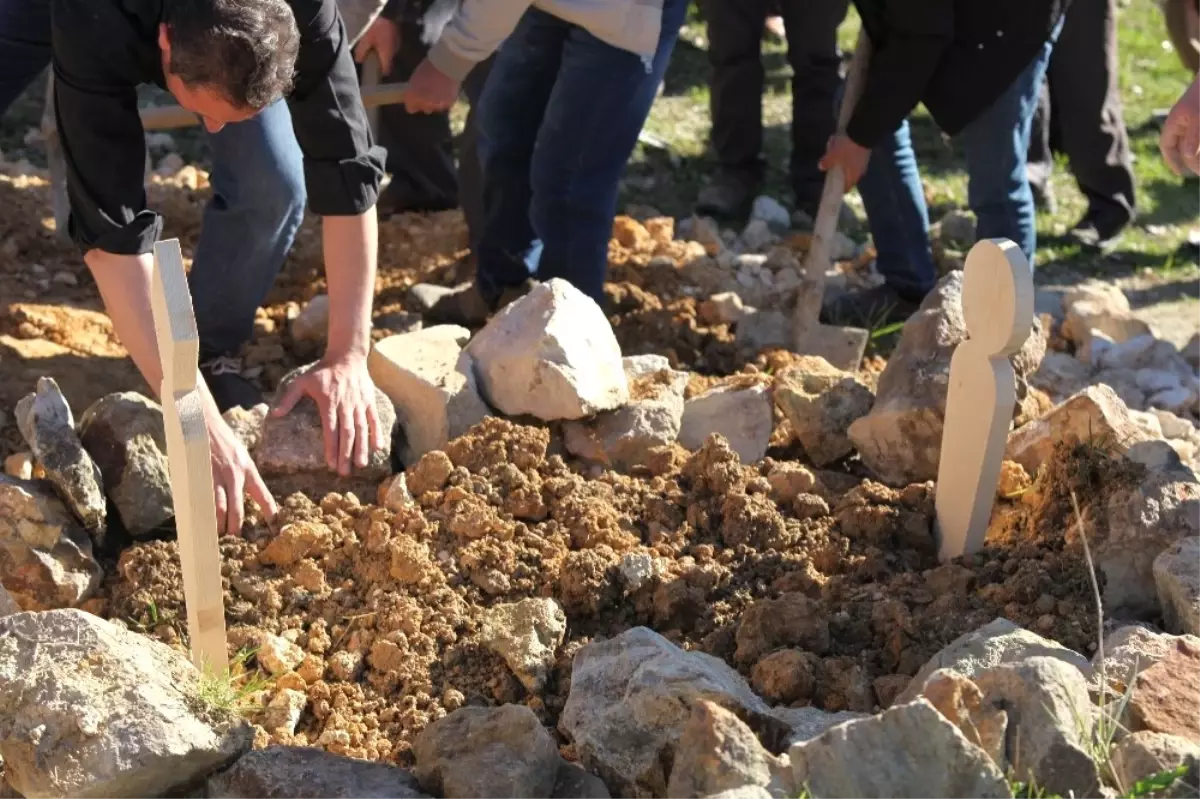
631 697
1177 575
294 772
124 434
1061 375
1147 754
44 419
822 402
1094 414
718 752
909 750
1097 305
295 443
88 708
742 415
527 635
1049 723
46 557
1130 526
431 382
479 752
551 354
626 436
312 324
998 642
901 438
1130 650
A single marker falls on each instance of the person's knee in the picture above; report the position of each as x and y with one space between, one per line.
280 192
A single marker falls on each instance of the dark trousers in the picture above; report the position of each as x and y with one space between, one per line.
558 121
735 32
421 148
1080 114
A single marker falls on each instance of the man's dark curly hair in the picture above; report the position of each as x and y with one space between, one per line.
243 49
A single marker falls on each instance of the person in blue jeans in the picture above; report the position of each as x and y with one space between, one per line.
978 69
559 117
273 82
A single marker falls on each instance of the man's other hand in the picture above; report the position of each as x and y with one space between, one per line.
384 38
1180 137
429 91
852 158
234 474
345 398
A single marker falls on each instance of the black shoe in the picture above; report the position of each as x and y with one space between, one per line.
1098 231
729 195
223 376
870 308
462 305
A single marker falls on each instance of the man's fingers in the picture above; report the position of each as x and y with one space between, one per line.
387 54
362 438
236 498
361 49
330 426
345 439
376 427
260 493
295 392
222 507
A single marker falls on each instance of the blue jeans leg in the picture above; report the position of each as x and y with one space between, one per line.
996 144
24 46
559 117
249 225
596 111
897 217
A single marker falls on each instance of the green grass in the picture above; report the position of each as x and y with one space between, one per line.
1151 78
233 691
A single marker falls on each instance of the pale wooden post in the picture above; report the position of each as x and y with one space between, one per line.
189 458
997 306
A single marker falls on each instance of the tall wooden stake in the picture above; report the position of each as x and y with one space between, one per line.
189 458
997 306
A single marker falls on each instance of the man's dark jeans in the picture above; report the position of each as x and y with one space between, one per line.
258 192
420 147
735 33
559 118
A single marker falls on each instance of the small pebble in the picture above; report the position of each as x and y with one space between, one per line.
65 278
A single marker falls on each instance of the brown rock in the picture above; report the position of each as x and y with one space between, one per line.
1147 754
791 620
1014 480
718 752
1166 695
296 541
822 402
430 473
787 676
961 702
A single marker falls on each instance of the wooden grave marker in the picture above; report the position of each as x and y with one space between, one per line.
997 307
189 458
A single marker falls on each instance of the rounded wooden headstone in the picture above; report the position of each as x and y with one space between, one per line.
997 298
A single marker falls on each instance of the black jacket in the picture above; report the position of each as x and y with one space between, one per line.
955 56
103 49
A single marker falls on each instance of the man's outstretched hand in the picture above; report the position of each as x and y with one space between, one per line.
1180 137
345 398
234 474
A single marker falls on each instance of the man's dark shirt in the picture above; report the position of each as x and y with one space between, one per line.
955 56
104 49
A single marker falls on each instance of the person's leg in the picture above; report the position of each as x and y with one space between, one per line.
24 46
813 53
470 171
995 143
248 227
510 113
420 147
897 217
735 32
1039 162
1087 97
598 106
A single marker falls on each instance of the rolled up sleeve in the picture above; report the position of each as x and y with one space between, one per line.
104 149
343 167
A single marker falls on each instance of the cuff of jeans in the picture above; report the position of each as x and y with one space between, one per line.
448 62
